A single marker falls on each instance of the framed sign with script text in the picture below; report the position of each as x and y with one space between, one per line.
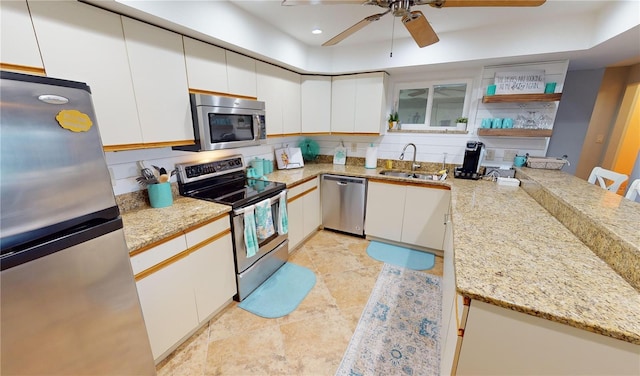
525 82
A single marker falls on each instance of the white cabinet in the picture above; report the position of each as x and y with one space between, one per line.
280 90
213 267
303 210
84 43
316 104
407 213
157 64
241 75
183 281
358 103
500 341
206 66
18 45
385 210
214 69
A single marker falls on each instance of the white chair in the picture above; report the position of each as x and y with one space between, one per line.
600 174
634 190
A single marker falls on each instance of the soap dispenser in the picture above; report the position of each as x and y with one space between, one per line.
371 160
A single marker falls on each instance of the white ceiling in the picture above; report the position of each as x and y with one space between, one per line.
334 16
589 33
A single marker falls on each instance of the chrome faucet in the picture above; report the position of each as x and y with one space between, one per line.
415 150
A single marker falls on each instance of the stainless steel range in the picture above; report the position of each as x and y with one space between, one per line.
224 181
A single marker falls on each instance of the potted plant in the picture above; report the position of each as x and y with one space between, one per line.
393 120
461 121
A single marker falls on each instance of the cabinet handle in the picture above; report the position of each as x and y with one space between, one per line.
446 218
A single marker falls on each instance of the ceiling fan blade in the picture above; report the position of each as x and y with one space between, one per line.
420 29
343 35
486 3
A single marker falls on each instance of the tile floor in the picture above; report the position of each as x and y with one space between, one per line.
309 341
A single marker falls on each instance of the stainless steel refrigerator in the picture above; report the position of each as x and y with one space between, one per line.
69 304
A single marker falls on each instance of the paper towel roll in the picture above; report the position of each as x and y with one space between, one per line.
371 160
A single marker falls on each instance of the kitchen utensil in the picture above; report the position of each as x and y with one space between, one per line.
149 176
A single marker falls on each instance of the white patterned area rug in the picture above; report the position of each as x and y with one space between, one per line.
399 330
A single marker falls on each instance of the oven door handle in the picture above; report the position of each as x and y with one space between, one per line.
272 201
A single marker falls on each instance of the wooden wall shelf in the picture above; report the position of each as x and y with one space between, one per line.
515 132
511 98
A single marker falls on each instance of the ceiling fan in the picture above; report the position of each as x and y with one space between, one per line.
415 21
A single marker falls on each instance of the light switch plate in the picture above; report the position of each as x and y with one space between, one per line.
509 155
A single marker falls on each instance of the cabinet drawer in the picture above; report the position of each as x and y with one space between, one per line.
299 189
207 231
157 254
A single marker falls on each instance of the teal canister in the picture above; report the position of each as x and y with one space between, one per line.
160 195
258 165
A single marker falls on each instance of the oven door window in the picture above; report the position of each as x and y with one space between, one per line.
230 127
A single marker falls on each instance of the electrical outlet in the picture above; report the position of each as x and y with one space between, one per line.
354 147
509 155
491 154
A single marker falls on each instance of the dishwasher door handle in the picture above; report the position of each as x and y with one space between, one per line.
343 183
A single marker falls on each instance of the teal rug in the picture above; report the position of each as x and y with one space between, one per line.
399 330
400 256
281 293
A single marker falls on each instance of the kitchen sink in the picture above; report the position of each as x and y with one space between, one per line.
411 175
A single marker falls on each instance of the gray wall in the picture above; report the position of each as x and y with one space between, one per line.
574 113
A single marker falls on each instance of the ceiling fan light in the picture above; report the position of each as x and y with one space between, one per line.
316 31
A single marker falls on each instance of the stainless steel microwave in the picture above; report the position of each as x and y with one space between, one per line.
225 123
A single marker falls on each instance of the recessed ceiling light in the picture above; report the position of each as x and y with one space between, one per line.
316 31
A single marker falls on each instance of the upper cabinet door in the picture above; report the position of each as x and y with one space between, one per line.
84 43
370 102
206 66
291 116
18 45
269 91
316 104
358 103
241 73
343 101
158 71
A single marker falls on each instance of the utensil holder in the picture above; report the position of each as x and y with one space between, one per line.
160 195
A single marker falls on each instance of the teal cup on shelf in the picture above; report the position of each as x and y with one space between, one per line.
497 123
550 88
160 195
486 123
491 90
507 123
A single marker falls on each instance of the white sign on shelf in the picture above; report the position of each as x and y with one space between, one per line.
525 82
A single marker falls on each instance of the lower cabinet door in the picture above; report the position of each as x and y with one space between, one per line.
295 214
214 276
385 210
424 212
168 304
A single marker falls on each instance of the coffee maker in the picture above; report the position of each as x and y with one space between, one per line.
473 156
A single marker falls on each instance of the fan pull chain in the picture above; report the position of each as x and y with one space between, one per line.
393 26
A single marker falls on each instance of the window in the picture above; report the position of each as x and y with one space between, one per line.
432 105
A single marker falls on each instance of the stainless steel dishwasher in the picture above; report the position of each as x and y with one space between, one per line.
343 203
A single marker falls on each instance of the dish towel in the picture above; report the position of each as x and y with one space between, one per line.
264 220
283 220
250 238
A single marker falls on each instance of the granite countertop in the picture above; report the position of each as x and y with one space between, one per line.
146 226
607 223
509 251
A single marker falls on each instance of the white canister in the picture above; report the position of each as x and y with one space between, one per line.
371 160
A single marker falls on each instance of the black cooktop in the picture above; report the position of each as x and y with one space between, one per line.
223 181
251 192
